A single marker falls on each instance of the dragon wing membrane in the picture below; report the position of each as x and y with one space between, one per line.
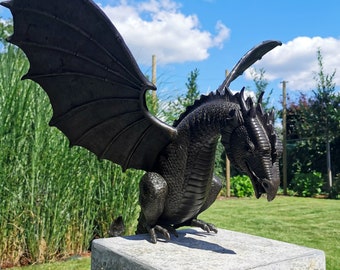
93 82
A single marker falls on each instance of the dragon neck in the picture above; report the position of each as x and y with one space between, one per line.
206 120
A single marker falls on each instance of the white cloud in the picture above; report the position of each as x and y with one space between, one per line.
158 27
296 61
3 21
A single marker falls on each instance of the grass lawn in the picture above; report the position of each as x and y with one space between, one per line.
309 222
73 264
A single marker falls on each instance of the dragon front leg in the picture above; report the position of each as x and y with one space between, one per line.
216 187
153 191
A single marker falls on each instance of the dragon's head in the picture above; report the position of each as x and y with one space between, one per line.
253 146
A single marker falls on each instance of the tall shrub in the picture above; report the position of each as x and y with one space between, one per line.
307 184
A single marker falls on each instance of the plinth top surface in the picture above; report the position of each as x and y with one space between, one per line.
197 249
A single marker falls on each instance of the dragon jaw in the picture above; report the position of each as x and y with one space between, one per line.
263 185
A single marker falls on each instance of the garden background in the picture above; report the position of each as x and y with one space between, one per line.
55 200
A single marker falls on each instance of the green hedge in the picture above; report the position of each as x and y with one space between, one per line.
307 184
241 186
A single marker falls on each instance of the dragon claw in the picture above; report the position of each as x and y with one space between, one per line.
164 231
208 227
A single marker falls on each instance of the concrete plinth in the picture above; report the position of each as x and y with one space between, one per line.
194 249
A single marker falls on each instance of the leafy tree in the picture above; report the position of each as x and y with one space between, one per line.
192 93
182 102
261 84
5 29
314 123
325 105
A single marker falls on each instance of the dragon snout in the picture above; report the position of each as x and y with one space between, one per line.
270 188
264 185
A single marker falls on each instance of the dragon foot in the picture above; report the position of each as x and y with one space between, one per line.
208 227
165 231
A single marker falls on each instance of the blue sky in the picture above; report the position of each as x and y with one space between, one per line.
212 35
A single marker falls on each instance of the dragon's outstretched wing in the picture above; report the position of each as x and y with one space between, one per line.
94 84
247 60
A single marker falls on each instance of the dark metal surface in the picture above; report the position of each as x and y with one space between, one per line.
97 93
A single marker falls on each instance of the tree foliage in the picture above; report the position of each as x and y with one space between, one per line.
311 122
178 106
261 84
5 29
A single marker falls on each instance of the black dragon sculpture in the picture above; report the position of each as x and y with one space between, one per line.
97 93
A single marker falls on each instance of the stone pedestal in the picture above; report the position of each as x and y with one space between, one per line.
194 249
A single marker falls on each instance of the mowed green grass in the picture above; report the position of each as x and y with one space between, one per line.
308 222
76 264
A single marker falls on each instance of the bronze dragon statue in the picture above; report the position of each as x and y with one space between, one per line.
97 93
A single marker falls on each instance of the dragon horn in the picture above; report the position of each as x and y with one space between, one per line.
243 102
247 60
247 105
259 100
259 103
